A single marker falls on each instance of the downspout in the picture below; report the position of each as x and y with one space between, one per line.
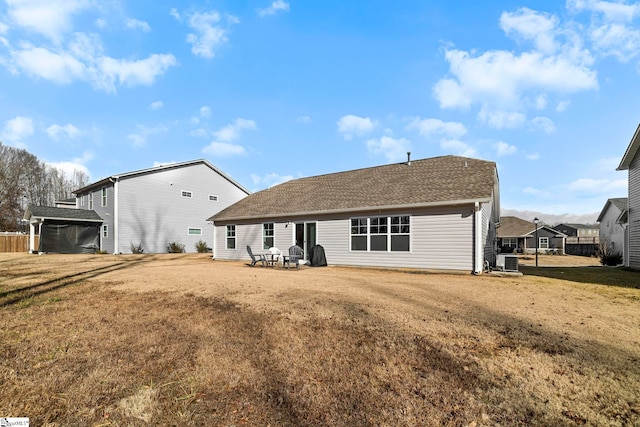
213 251
116 228
478 250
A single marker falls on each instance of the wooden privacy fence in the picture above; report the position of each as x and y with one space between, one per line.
16 243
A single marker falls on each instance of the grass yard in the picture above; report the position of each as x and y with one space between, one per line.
136 340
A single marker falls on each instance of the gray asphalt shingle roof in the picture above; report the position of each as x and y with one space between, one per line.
62 213
511 226
439 179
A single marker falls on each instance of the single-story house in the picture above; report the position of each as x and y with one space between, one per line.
63 230
631 162
519 235
613 225
435 213
150 208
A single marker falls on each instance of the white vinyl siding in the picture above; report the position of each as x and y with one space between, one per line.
153 212
441 238
634 213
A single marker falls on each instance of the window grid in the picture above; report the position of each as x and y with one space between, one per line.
105 231
213 198
104 196
390 234
231 236
187 194
90 200
544 243
267 235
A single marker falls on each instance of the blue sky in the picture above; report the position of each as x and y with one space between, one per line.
273 90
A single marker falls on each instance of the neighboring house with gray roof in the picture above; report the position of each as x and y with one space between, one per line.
519 235
436 213
63 230
156 206
613 225
631 162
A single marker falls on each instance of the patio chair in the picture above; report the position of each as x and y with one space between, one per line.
254 259
295 255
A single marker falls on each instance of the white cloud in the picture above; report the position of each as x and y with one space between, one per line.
504 149
224 149
270 179
3 28
205 112
209 32
76 164
562 106
597 186
276 6
136 24
83 59
156 105
199 133
501 119
531 25
16 130
303 119
544 123
60 68
134 72
223 145
611 11
139 138
350 126
55 131
458 147
541 102
393 149
542 194
232 131
533 156
432 127
499 78
50 18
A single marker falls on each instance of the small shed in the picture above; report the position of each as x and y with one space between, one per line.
63 230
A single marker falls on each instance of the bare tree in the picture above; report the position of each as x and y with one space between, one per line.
25 180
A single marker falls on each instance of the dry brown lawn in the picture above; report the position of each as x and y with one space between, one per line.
103 340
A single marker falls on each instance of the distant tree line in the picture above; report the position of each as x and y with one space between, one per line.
25 180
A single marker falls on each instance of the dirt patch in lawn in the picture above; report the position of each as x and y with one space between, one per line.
184 340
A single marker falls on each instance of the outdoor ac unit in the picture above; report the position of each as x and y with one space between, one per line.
507 262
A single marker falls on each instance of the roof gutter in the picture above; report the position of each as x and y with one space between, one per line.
359 209
42 218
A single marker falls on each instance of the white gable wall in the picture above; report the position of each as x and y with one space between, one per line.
153 213
610 231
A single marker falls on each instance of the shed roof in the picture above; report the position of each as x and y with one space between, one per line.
446 180
48 212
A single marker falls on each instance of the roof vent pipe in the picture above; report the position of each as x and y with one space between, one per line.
408 158
465 164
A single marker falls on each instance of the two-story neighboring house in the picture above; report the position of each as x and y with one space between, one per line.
153 207
613 225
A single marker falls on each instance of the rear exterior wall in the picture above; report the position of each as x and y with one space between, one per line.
440 238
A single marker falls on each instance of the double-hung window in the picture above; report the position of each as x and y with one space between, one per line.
103 193
510 242
379 233
400 235
544 243
358 234
231 236
90 200
267 235
105 231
